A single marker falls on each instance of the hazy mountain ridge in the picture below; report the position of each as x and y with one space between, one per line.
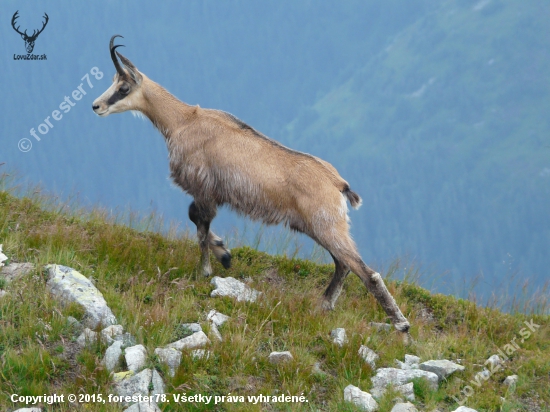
445 132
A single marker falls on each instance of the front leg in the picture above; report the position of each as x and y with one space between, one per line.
201 215
220 251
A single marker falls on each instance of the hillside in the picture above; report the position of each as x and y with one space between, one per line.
151 283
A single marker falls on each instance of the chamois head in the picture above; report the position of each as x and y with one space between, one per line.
125 92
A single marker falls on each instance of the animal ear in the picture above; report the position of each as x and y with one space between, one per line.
132 70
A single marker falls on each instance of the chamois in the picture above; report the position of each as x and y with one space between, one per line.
220 160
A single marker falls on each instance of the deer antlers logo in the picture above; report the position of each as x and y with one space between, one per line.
29 40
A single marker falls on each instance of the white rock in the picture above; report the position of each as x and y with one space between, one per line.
136 357
195 341
368 355
363 400
406 390
191 327
484 374
158 384
404 407
28 409
74 322
464 409
338 336
112 331
70 286
170 357
143 407
3 293
3 257
15 270
214 330
385 376
511 380
442 368
278 357
494 361
217 318
126 339
112 355
412 360
233 288
135 384
405 366
120 376
87 337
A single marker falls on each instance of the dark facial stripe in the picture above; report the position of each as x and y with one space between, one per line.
115 98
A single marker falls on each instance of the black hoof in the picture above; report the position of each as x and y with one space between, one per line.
226 260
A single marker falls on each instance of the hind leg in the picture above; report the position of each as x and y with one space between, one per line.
340 245
375 284
335 287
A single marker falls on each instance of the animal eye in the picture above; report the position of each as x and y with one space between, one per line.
124 89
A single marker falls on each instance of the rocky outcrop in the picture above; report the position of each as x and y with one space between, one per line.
404 407
368 355
69 286
406 390
195 341
217 318
112 356
3 258
136 383
136 357
143 407
387 376
338 336
233 288
511 380
442 368
361 399
171 357
279 357
15 270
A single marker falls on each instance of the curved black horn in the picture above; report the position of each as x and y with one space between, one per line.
112 49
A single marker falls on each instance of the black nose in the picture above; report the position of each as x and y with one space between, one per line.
95 107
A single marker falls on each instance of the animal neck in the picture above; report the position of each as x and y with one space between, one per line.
164 110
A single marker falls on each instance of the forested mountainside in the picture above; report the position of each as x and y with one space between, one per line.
446 133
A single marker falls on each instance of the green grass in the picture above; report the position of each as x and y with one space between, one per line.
152 284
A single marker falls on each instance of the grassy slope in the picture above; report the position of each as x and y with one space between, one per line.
132 269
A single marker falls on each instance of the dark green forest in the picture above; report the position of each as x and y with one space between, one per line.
436 112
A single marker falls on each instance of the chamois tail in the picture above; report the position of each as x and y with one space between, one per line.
354 198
